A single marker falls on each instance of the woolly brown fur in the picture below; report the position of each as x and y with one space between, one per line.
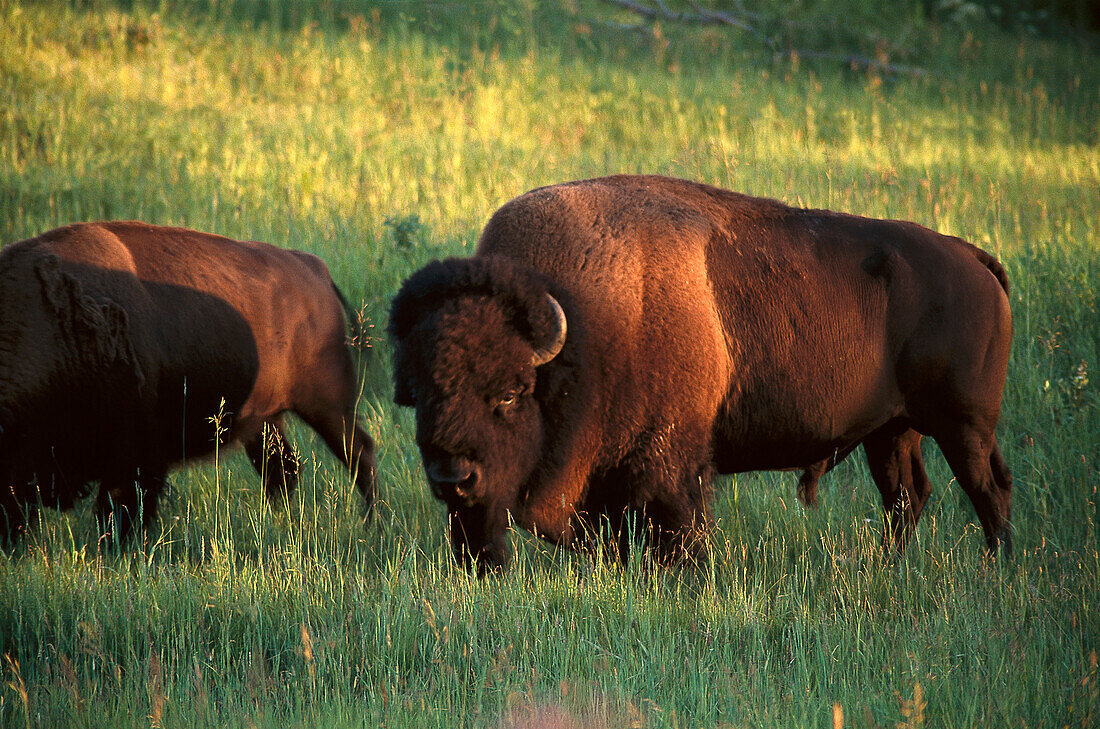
119 341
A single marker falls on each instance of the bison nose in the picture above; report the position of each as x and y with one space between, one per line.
458 475
450 470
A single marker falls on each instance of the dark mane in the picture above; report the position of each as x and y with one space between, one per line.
518 290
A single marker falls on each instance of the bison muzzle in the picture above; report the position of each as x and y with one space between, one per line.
615 342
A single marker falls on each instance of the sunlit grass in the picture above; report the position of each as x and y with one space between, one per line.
379 142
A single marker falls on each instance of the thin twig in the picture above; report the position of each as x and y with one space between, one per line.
859 61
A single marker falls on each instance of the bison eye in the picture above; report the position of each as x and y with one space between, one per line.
507 401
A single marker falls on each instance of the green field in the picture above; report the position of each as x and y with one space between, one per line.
382 135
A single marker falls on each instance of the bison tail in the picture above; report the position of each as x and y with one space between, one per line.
354 320
994 267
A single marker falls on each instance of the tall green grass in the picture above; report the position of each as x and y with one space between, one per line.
382 135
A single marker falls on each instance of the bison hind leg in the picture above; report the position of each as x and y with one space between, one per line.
274 459
351 444
894 459
1003 479
976 461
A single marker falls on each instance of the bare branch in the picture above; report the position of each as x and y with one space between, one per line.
702 16
643 10
705 16
715 16
662 12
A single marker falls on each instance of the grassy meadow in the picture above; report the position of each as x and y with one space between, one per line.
382 135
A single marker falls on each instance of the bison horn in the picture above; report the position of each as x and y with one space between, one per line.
550 351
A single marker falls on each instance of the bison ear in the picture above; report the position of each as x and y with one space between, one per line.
403 313
402 393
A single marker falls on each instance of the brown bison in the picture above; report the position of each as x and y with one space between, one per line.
616 341
126 348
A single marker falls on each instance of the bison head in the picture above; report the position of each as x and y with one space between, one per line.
470 335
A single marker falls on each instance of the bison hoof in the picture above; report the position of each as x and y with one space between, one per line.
1001 543
367 510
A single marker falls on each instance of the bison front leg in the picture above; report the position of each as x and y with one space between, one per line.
610 532
129 500
658 500
678 521
13 517
677 532
609 523
479 537
807 484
